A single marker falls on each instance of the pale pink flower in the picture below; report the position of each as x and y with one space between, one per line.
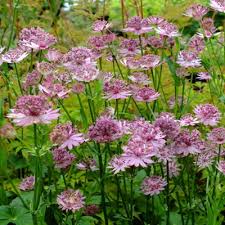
167 29
204 76
32 79
138 26
217 135
165 154
182 72
188 59
129 47
100 26
218 5
187 142
66 136
156 42
149 61
139 78
208 27
145 94
153 185
207 114
168 125
36 38
14 55
32 109
70 200
52 89
174 168
196 43
196 11
155 20
106 129
188 120
53 55
116 89
221 166
101 42
46 68
117 164
7 131
87 164
131 62
27 183
62 158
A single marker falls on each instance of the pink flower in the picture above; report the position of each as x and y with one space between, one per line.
14 55
52 89
207 114
153 185
129 47
174 169
196 44
146 94
62 158
221 166
217 135
131 62
173 101
188 120
155 20
149 61
7 131
70 200
78 88
101 42
196 11
188 59
208 27
46 68
91 210
117 164
204 76
116 89
27 183
138 26
218 5
100 25
53 55
86 73
106 129
168 125
139 78
187 142
36 38
182 72
32 109
87 164
156 42
167 29
66 136
165 154
32 79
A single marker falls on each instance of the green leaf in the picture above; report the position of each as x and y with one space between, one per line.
87 220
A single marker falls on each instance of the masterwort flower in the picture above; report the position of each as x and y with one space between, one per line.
153 185
188 59
196 11
66 136
207 114
217 135
27 183
32 109
218 5
70 200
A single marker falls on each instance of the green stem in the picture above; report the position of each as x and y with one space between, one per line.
167 195
66 111
18 79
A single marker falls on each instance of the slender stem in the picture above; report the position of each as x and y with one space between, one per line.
141 46
102 184
131 195
18 79
66 111
167 195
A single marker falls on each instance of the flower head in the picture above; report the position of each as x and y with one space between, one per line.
137 25
188 59
139 78
129 47
14 55
32 109
87 164
218 5
204 76
70 200
117 164
153 185
53 55
116 89
208 27
32 79
27 183
100 25
188 120
91 210
207 114
196 44
145 94
106 129
36 38
217 135
167 29
62 158
196 11
66 136
7 131
221 166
